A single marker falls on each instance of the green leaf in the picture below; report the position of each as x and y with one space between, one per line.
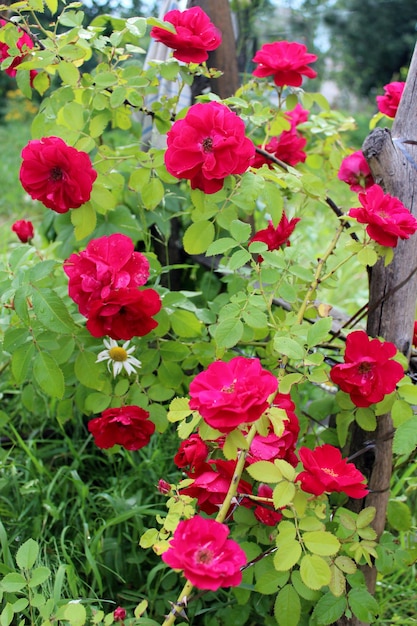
367 256
287 607
366 419
289 347
198 237
48 375
153 194
401 412
21 361
228 333
287 555
68 72
7 614
71 116
288 381
73 612
365 517
399 515
220 246
315 572
41 82
179 409
52 5
88 372
99 123
238 259
301 589
102 200
13 582
27 554
319 332
329 609
345 564
283 494
363 605
321 542
405 437
264 471
185 323
84 219
13 338
240 231
52 312
38 576
408 393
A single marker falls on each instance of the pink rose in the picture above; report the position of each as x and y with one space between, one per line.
107 264
124 314
265 512
388 103
297 115
24 43
288 147
201 549
192 453
369 372
56 174
354 170
211 484
326 471
195 35
127 426
386 217
208 145
286 61
233 393
24 230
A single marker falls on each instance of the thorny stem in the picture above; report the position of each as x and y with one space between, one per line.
317 275
181 603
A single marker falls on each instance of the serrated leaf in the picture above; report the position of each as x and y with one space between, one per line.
87 371
48 375
283 494
238 259
51 311
408 393
329 609
287 555
21 361
363 605
401 412
27 554
13 582
179 409
319 331
68 72
399 515
288 381
315 571
185 323
365 517
287 607
321 542
289 347
347 565
38 576
153 194
337 583
140 609
264 472
84 220
234 441
301 589
366 419
221 246
52 5
240 231
228 333
198 237
405 437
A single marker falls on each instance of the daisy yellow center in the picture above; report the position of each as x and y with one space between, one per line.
118 354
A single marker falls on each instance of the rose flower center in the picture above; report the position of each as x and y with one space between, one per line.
204 556
207 144
56 174
330 472
364 368
118 354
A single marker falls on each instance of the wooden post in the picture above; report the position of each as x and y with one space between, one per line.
392 157
224 58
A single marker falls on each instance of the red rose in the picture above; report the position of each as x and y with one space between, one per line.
192 453
297 115
368 373
279 236
211 484
24 43
208 559
354 170
107 264
264 512
388 103
326 471
415 335
124 314
288 147
229 394
208 145
386 216
127 426
195 35
286 61
24 230
58 175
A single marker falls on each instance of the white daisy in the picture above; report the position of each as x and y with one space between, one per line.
118 357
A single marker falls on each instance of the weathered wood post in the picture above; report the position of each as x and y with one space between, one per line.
392 157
